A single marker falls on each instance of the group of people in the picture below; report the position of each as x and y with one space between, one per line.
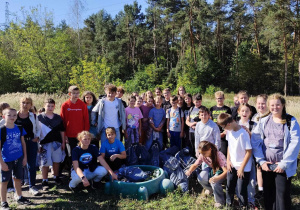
248 146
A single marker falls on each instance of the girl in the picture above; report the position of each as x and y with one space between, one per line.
90 100
211 178
139 101
145 109
181 91
188 99
157 118
180 101
275 142
85 167
133 123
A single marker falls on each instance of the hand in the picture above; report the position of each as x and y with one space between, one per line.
63 146
223 135
229 165
193 127
4 167
278 169
265 166
188 173
214 179
113 157
125 135
24 161
240 173
169 135
181 134
66 140
114 177
35 139
85 182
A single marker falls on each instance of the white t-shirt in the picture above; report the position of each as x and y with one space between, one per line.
238 143
111 109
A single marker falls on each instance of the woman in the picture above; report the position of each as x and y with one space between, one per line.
29 122
275 142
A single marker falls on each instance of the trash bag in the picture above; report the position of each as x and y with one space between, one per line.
186 160
132 174
142 155
132 158
166 154
154 154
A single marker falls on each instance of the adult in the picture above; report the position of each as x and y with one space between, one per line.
275 143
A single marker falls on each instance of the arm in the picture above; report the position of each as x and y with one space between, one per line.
63 143
240 172
79 172
182 128
162 122
197 139
191 169
222 176
122 115
229 165
120 156
4 166
106 166
24 151
168 131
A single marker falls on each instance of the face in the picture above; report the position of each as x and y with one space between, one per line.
110 136
245 113
236 101
150 102
157 92
167 94
158 103
204 116
174 102
261 105
220 100
180 102
74 94
276 107
86 140
110 95
243 98
119 94
10 117
25 105
197 103
49 107
181 91
139 102
88 99
206 153
188 100
132 102
149 94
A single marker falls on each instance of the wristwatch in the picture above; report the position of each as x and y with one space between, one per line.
82 177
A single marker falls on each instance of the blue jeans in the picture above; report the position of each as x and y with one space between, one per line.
31 148
103 134
175 139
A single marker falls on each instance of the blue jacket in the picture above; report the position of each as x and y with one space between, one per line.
290 148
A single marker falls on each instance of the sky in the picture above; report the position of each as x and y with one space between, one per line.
61 9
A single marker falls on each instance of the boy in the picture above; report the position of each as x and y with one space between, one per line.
119 95
215 111
191 122
243 97
13 156
52 142
3 106
112 150
175 123
238 156
206 130
110 113
75 116
166 104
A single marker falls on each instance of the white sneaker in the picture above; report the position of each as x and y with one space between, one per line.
9 190
33 191
218 205
207 192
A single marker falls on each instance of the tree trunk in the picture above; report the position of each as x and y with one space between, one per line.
285 64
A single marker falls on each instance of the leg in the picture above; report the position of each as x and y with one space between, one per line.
242 184
218 192
269 189
75 179
231 184
118 134
18 187
224 146
283 191
56 169
45 170
4 191
31 161
252 184
203 178
99 173
259 179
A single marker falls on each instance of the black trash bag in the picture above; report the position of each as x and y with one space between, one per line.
142 155
166 154
154 154
132 174
132 158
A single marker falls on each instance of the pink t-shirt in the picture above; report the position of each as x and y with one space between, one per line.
221 159
132 117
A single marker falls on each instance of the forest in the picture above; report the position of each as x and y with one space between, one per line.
225 44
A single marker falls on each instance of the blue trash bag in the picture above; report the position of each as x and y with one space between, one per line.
132 158
142 155
166 154
171 165
132 174
186 160
154 154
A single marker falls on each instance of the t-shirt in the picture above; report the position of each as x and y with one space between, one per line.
27 125
110 149
111 110
221 159
215 111
235 114
12 148
50 128
132 117
145 121
157 115
87 159
238 143
192 114
175 119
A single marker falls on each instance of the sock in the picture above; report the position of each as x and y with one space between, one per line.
3 202
20 196
260 189
54 177
45 180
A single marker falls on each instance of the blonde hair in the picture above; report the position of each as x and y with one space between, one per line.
110 130
278 96
26 98
219 93
71 88
81 135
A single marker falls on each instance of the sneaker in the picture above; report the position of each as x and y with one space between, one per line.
33 191
218 205
252 206
26 182
23 201
9 190
4 206
58 181
45 185
207 192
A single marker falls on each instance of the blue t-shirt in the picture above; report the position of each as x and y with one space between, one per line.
12 148
87 158
157 115
110 149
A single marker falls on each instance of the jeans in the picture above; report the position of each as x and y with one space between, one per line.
103 134
31 148
252 183
96 176
216 187
133 137
242 184
175 139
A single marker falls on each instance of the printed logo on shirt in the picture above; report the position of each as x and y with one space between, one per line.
86 158
69 109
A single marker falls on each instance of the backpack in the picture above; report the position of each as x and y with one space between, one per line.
3 134
289 121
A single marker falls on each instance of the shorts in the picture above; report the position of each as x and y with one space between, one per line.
15 168
51 153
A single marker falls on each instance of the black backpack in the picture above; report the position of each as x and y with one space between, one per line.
3 134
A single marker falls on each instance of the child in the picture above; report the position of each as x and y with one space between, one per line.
158 92
166 105
175 123
75 116
181 91
13 156
52 142
119 95
85 167
3 106
238 156
133 123
110 113
206 130
180 101
188 103
112 150
243 97
214 113
139 101
190 120
145 109
90 100
211 178
157 118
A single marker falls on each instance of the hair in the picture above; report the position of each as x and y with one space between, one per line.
203 109
167 89
132 97
180 97
174 98
149 92
188 95
26 98
6 110
148 97
278 96
158 88
179 88
81 135
219 93
49 101
85 93
121 89
243 92
197 97
205 146
73 87
110 129
41 110
33 109
3 106
224 119
158 98
242 105
135 93
110 88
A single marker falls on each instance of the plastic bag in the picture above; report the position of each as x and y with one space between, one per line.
132 174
